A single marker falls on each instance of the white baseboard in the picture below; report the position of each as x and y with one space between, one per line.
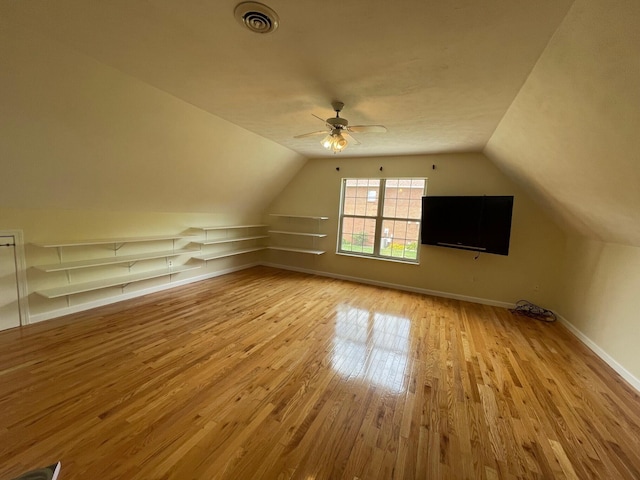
608 359
395 286
41 317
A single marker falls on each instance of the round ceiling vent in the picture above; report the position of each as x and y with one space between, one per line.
256 17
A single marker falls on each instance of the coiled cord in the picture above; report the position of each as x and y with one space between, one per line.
528 309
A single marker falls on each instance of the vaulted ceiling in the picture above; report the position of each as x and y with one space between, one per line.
438 75
572 134
548 89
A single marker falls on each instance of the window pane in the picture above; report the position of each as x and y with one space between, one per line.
399 239
358 235
415 198
368 182
389 208
402 209
372 207
361 197
403 198
361 206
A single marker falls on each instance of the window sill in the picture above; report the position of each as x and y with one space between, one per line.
384 259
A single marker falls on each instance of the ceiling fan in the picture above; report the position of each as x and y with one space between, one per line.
338 136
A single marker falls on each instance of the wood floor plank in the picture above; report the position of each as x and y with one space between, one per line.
271 374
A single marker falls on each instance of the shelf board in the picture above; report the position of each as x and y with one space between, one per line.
73 289
298 250
303 234
229 240
106 241
298 216
98 262
230 227
214 256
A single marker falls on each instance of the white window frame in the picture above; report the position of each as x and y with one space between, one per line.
379 219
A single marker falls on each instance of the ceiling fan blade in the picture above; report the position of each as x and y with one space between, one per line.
320 132
321 119
367 129
350 138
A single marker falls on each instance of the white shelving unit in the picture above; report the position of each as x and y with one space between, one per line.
230 234
297 231
122 281
116 242
129 260
312 217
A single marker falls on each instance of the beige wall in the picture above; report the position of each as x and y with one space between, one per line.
600 298
47 225
89 152
536 243
77 134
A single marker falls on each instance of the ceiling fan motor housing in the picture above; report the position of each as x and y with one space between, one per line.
338 122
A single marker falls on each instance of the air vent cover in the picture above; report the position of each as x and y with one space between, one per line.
256 17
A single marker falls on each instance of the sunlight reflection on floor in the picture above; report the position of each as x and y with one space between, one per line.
371 346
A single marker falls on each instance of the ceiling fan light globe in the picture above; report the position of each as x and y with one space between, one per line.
339 143
327 142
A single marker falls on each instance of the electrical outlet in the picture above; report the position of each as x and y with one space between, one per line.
170 263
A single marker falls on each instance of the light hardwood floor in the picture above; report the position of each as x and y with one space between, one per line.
271 374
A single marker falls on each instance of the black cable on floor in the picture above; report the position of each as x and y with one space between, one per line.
528 309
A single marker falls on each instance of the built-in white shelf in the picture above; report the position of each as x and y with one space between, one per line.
298 224
231 239
298 250
118 280
98 262
298 216
214 256
303 234
107 241
122 281
253 232
230 227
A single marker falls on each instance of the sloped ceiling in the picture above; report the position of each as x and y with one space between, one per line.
439 75
572 135
442 76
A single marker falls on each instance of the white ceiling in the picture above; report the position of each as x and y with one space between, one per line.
439 75
548 90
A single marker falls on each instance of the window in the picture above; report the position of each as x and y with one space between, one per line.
381 217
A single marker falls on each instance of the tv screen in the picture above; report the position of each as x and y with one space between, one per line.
478 223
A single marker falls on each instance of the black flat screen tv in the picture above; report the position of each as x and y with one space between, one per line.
477 223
